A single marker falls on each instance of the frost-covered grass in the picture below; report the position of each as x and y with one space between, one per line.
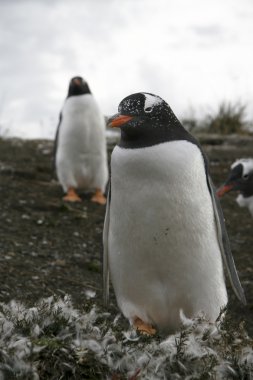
52 340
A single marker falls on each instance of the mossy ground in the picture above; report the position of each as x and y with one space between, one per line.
48 247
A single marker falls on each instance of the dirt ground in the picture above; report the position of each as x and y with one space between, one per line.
50 247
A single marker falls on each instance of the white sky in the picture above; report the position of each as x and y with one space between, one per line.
193 53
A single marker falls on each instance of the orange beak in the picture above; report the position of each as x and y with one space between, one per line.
117 120
224 189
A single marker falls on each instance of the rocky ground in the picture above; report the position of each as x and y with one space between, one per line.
50 247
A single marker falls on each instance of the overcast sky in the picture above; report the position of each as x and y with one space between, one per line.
193 53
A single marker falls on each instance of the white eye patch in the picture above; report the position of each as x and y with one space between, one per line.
151 101
247 164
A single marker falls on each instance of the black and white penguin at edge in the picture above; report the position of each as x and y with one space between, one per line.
80 144
164 232
240 179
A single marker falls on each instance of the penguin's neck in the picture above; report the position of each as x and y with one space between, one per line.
77 91
143 137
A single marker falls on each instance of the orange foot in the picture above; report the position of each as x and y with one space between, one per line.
72 196
143 328
98 197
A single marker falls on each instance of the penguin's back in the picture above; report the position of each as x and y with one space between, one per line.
163 250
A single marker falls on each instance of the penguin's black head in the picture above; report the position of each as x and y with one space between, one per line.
240 179
145 119
78 86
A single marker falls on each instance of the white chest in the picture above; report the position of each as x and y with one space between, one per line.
245 202
81 119
163 248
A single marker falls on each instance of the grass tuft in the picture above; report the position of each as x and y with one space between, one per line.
229 119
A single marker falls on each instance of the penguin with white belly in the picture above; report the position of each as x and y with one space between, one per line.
164 234
80 144
240 179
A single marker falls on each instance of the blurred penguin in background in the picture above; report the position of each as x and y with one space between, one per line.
80 144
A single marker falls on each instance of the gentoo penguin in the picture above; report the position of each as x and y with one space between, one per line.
164 235
240 179
80 144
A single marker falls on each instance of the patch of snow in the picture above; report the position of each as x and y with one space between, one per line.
90 293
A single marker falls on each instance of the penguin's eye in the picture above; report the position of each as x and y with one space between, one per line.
148 109
246 176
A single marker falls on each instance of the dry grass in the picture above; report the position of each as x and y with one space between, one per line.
228 119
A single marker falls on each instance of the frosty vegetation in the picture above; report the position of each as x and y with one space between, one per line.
52 340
